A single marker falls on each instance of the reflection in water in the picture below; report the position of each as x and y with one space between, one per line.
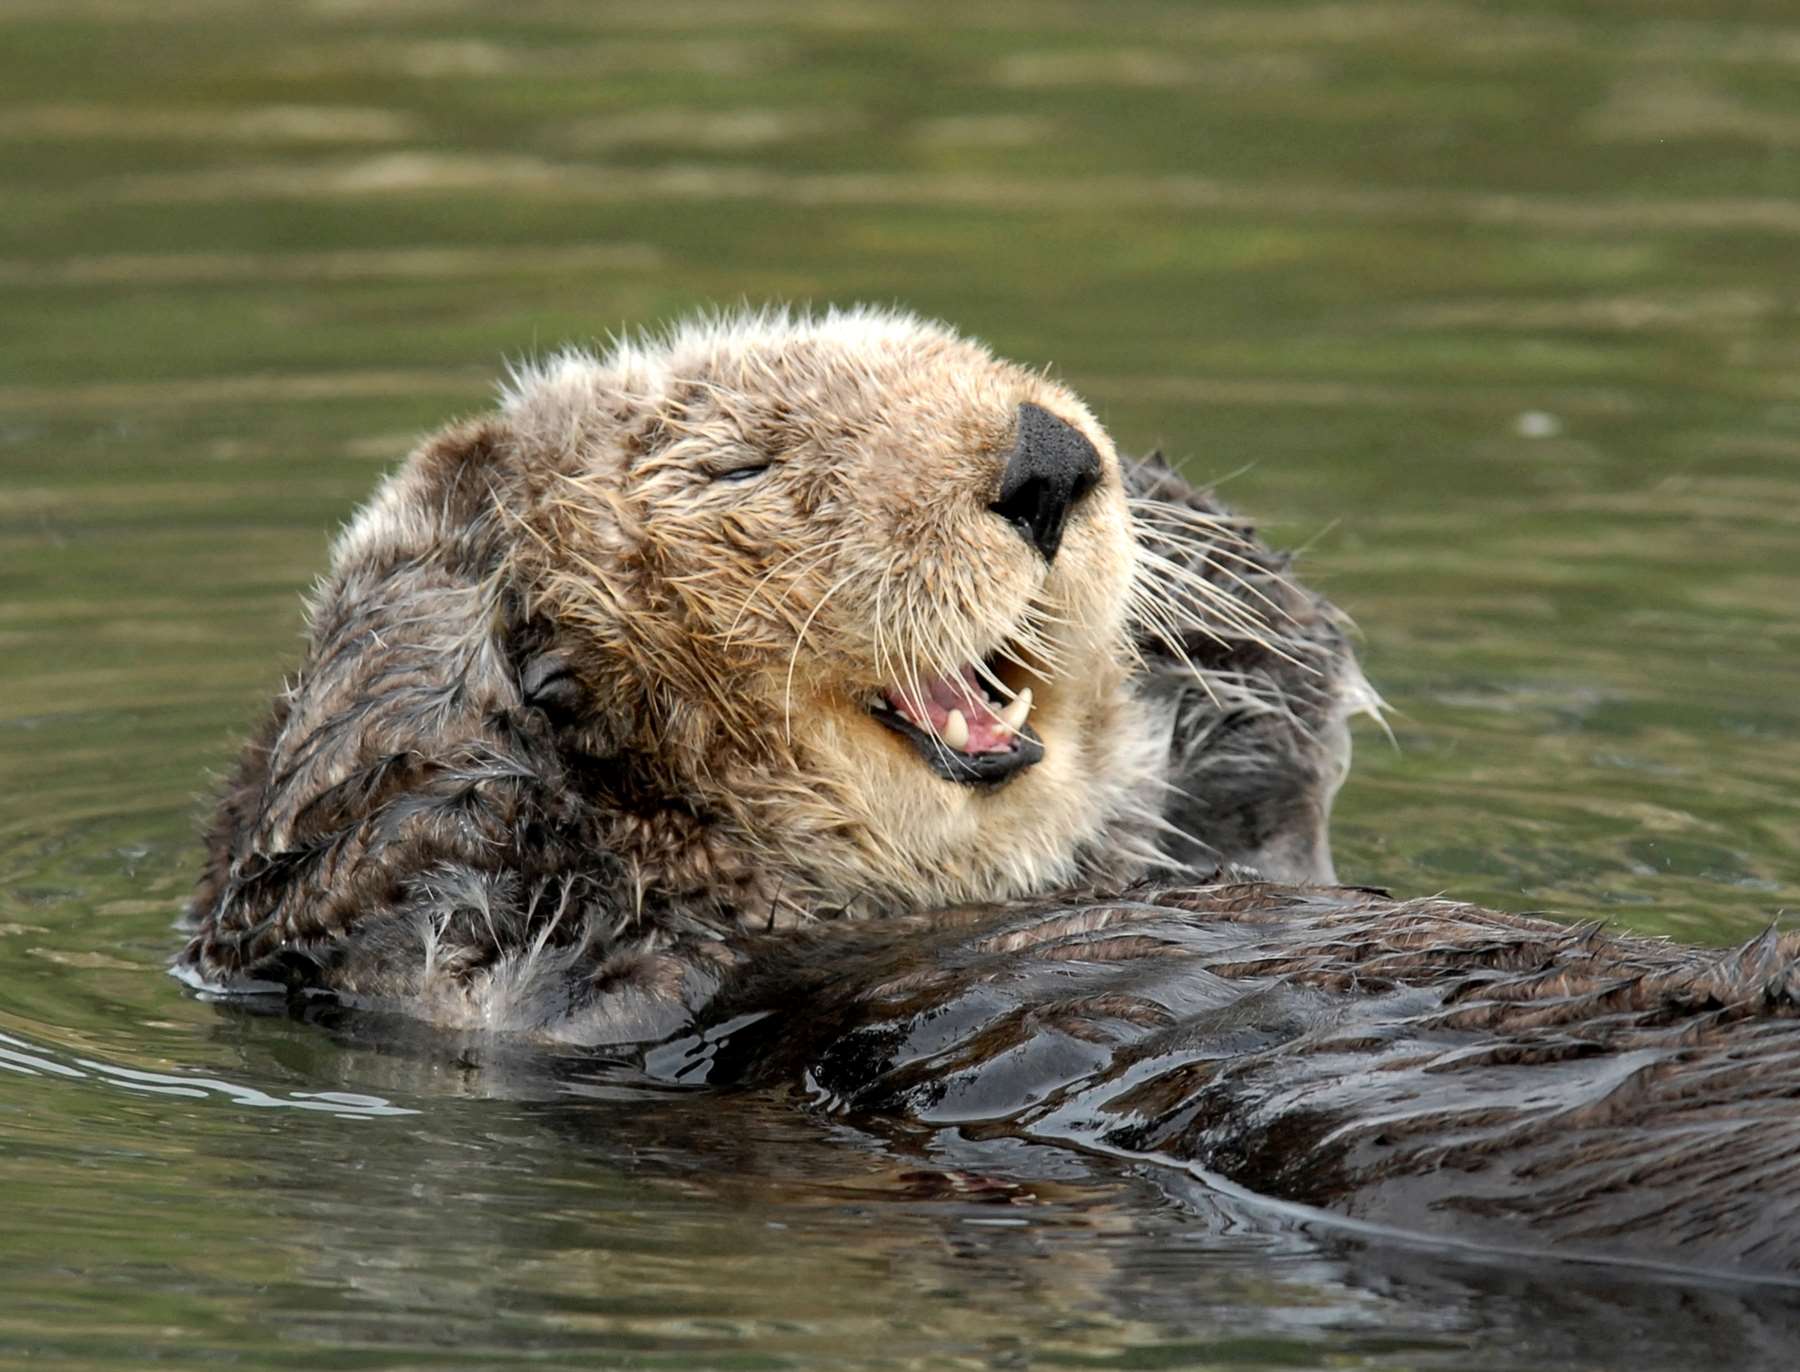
1496 304
20 1055
594 1174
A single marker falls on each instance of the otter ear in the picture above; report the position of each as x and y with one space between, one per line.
548 682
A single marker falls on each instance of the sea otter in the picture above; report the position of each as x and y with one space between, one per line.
822 704
769 620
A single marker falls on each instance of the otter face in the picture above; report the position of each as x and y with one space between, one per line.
865 588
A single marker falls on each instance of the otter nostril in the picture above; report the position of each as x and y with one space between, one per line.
1051 467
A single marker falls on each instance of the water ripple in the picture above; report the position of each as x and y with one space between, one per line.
29 1059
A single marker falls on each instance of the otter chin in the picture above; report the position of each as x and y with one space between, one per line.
765 620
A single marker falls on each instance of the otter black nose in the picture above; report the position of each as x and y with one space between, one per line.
1051 468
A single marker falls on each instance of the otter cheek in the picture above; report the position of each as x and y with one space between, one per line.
861 768
1099 585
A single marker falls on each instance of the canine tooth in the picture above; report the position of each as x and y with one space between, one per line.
956 731
1013 716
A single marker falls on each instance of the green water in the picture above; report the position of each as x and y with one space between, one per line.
1496 309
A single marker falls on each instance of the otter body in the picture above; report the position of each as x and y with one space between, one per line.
1411 1067
754 699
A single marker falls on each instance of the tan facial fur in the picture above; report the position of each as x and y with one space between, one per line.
748 624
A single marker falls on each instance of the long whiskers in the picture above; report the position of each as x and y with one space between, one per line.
881 648
1209 553
1150 610
1247 620
1224 526
787 697
823 551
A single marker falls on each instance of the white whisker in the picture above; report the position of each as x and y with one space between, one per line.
787 698
755 590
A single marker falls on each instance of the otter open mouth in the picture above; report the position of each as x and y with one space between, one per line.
960 729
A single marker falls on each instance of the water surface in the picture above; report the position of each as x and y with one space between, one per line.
1496 312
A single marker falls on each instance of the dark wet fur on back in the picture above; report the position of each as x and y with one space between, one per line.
1424 1066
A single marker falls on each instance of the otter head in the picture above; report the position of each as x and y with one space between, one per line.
850 590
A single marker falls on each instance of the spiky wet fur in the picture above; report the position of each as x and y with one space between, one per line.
578 704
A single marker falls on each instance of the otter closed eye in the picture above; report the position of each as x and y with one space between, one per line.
745 473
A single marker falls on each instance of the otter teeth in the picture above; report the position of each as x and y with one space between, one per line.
959 713
956 731
1013 716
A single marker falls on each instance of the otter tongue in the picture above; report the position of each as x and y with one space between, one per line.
962 692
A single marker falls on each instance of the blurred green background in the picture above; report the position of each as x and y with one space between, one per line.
1493 309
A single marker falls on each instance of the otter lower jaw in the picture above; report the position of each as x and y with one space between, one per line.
960 730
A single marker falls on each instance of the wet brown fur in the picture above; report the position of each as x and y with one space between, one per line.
1423 1066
